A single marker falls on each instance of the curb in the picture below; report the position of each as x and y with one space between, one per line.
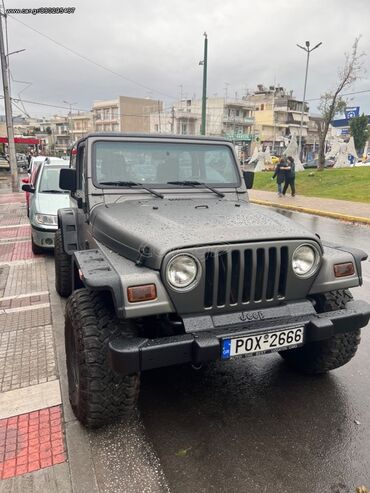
316 212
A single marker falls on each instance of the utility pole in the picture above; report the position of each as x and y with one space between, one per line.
8 110
204 95
308 51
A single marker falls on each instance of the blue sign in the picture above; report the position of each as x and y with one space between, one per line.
226 348
344 131
352 112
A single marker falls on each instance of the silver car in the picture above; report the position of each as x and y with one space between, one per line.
45 199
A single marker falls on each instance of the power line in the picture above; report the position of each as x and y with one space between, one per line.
76 53
347 94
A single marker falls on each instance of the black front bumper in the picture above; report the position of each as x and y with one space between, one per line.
202 342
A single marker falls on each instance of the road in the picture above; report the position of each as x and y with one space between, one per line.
249 425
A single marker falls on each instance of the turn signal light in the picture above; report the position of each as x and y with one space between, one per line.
345 269
146 292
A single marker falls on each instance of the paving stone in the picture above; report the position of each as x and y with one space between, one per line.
26 357
31 442
22 231
23 301
4 272
25 319
29 277
13 219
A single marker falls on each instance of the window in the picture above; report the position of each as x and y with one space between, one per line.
156 127
107 128
115 127
106 114
159 163
49 180
262 107
237 113
114 113
183 128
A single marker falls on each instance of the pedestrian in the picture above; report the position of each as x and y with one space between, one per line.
279 174
290 176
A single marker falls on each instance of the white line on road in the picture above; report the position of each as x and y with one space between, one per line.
29 399
23 308
20 296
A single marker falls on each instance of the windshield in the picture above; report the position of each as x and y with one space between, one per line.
49 180
158 163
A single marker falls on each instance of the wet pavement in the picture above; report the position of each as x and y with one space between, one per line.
253 425
248 425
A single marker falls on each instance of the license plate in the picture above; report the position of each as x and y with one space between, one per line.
264 343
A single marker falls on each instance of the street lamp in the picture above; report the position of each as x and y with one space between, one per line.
308 51
70 120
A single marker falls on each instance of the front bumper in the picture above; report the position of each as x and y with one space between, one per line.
43 237
202 343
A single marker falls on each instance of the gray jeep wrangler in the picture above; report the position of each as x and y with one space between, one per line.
166 262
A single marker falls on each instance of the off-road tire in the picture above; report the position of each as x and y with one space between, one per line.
96 394
63 267
323 356
37 250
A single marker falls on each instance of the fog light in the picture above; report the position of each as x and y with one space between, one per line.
343 270
48 241
146 292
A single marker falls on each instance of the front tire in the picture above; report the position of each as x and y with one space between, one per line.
96 394
63 267
323 356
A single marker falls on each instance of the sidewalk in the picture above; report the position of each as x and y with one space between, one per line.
32 444
338 209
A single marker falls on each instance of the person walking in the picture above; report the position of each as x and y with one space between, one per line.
279 174
289 176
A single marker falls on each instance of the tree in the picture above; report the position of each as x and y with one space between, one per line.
360 131
331 102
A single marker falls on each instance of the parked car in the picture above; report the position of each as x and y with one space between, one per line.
274 159
45 199
165 261
329 163
22 162
4 162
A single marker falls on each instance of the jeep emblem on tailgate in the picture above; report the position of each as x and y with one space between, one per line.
249 316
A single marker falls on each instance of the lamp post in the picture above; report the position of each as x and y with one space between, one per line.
70 121
308 51
204 94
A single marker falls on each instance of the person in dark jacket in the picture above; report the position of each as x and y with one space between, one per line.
279 174
290 176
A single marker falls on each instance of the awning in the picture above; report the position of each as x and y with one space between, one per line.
21 140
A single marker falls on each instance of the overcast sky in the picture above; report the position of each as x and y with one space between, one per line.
157 44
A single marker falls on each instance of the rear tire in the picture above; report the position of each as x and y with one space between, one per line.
97 395
63 267
323 356
37 250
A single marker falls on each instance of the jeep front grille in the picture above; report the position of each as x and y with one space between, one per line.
245 276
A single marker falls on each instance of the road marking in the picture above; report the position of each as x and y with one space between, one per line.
24 308
22 262
30 399
24 225
20 296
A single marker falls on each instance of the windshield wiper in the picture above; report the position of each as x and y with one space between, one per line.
131 184
53 191
196 183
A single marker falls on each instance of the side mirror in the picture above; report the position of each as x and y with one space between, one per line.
248 179
67 179
28 188
25 180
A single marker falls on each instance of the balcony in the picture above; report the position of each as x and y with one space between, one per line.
242 120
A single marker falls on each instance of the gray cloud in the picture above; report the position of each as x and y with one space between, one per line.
159 45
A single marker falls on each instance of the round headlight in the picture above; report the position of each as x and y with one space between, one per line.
305 261
182 271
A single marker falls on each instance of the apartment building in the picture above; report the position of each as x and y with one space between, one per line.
277 115
81 125
124 114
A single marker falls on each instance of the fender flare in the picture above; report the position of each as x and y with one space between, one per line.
67 223
357 254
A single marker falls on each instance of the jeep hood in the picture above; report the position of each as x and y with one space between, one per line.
170 224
